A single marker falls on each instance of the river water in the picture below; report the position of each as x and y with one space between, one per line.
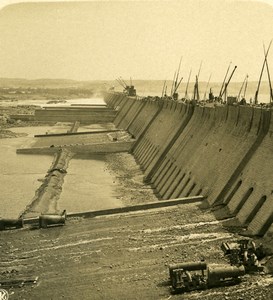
44 103
88 184
19 176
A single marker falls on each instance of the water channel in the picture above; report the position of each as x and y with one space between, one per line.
88 185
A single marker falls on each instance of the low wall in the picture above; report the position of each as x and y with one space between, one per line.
23 117
47 195
82 115
126 209
110 147
223 153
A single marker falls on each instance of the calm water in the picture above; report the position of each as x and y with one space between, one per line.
94 101
19 176
88 186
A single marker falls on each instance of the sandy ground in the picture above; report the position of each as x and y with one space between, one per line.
122 256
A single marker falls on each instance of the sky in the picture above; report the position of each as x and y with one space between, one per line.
140 39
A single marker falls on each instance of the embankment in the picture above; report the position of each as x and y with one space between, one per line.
47 195
223 153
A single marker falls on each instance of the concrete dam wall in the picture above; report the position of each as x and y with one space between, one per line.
223 153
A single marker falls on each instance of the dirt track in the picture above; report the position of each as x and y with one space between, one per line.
121 256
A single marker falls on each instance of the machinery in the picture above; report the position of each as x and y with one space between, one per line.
43 221
11 223
128 89
191 276
244 253
183 280
49 220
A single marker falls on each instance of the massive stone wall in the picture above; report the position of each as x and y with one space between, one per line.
223 153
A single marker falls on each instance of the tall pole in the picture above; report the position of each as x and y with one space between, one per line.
224 80
226 84
186 92
238 97
178 84
205 94
163 89
122 81
268 74
173 83
245 86
259 82
177 75
196 90
199 69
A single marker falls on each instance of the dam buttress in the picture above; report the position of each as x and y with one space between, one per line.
223 153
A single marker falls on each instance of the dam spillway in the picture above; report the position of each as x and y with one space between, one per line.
223 153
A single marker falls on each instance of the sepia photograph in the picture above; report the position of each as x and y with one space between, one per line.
135 149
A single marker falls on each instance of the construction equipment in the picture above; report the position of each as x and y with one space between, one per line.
224 275
175 82
191 276
261 74
128 89
196 95
244 253
268 75
18 282
224 81
205 94
187 86
227 83
244 84
11 223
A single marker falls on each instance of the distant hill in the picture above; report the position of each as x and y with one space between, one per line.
46 83
143 87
